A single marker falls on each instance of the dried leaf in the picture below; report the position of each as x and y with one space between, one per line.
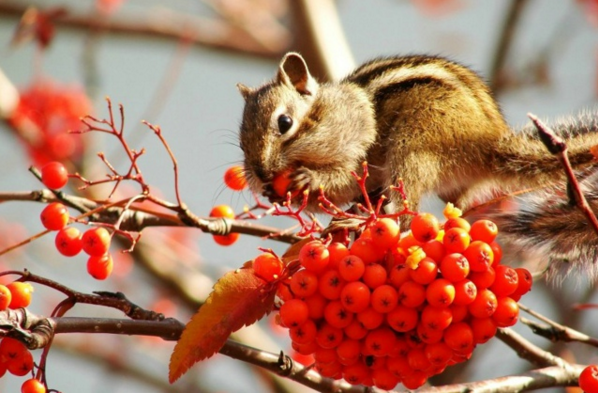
238 299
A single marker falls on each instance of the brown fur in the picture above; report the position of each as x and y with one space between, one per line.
426 120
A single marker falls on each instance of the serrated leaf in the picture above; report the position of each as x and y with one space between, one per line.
238 299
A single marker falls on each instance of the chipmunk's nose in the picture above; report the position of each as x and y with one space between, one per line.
262 174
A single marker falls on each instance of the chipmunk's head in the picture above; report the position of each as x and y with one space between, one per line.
308 131
273 116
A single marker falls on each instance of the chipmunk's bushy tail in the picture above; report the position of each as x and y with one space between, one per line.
547 228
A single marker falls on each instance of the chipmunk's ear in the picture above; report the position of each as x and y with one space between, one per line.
244 90
294 72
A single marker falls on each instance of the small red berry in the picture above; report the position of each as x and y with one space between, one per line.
33 386
55 216
96 241
54 175
100 267
588 379
68 241
21 293
234 178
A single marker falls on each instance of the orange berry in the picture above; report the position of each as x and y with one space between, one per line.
96 241
465 292
438 354
425 272
507 312
304 333
55 216
11 350
304 283
412 294
457 222
281 183
5 297
384 299
524 283
425 227
436 318
348 350
484 304
356 374
314 256
374 275
379 341
479 255
385 233
223 211
336 315
268 267
351 268
364 248
456 240
226 240
399 274
330 284
337 251
21 365
21 293
54 175
33 386
370 318
355 330
506 281
100 267
434 249
329 337
440 293
293 313
402 319
316 304
355 296
483 279
588 379
483 329
454 267
68 241
484 230
384 379
459 337
234 178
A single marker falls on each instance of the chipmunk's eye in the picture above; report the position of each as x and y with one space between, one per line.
285 122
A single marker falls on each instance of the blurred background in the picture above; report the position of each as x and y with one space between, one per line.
176 64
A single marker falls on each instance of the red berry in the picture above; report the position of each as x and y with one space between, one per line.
234 178
268 267
440 293
224 211
55 216
351 268
54 175
426 271
506 281
304 283
21 293
294 313
484 230
33 386
402 319
454 267
479 255
100 267
384 299
5 297
385 233
314 256
484 304
456 240
281 184
425 227
588 379
507 312
355 296
96 241
68 241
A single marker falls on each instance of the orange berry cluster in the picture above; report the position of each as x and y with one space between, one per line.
17 360
391 309
69 241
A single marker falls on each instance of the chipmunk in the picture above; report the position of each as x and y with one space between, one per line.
424 120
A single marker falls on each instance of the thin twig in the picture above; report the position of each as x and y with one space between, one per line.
558 147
